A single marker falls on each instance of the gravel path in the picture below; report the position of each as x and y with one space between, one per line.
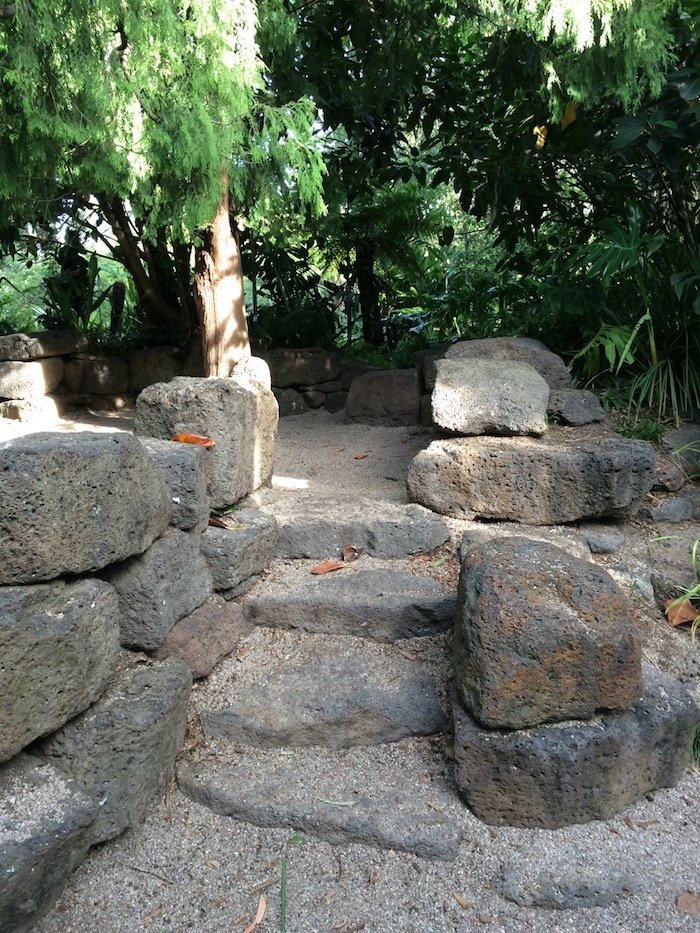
187 868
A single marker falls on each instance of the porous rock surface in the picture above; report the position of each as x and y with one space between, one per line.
59 646
547 481
26 380
38 345
185 470
390 396
575 407
515 349
241 550
489 397
115 505
542 636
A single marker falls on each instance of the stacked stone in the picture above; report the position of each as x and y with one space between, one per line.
555 720
31 368
103 548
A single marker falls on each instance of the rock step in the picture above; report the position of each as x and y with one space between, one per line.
321 526
334 796
286 689
364 599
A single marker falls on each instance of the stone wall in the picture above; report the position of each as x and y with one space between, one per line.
106 550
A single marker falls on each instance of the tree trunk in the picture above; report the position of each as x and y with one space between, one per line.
368 288
218 283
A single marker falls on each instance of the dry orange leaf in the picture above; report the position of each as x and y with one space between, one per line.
689 903
326 566
216 522
361 456
199 439
257 919
461 900
350 553
679 613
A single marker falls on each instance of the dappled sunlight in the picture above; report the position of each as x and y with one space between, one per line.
289 482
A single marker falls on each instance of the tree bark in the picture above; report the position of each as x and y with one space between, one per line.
218 282
368 288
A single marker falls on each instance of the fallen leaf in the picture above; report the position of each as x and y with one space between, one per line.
372 877
216 522
680 612
257 920
200 440
350 553
689 903
628 822
338 803
361 456
326 566
461 900
437 563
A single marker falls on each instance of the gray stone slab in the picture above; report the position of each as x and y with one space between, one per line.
37 410
575 407
154 364
668 510
291 402
28 380
315 526
59 645
489 397
71 503
570 887
121 751
670 560
242 549
185 469
602 539
161 586
356 694
390 396
517 349
94 374
45 832
290 367
38 345
381 604
566 537
575 772
332 806
545 481
542 636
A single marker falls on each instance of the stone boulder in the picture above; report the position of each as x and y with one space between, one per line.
185 469
121 752
548 481
575 407
542 636
71 503
489 397
27 380
551 367
89 374
290 367
36 346
45 833
291 402
39 409
157 589
239 414
59 645
385 396
575 772
154 364
241 550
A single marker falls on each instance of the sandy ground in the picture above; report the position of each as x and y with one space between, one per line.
187 868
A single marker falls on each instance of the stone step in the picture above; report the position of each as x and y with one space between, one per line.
364 598
286 689
403 799
313 525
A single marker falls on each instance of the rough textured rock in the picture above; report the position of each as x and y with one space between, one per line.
290 402
39 409
516 349
27 380
489 397
339 810
566 888
205 636
45 833
602 539
157 589
381 604
243 549
36 346
670 561
314 527
70 503
389 396
154 364
337 699
185 469
97 375
669 475
546 481
575 407
302 367
335 401
240 415
565 537
121 751
670 509
541 637
574 772
59 645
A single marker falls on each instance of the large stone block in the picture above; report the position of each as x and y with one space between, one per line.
166 583
154 364
185 469
97 375
291 367
575 407
27 380
243 549
548 481
574 772
385 396
489 397
70 503
551 367
542 636
36 346
122 750
239 414
45 832
59 645
41 409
